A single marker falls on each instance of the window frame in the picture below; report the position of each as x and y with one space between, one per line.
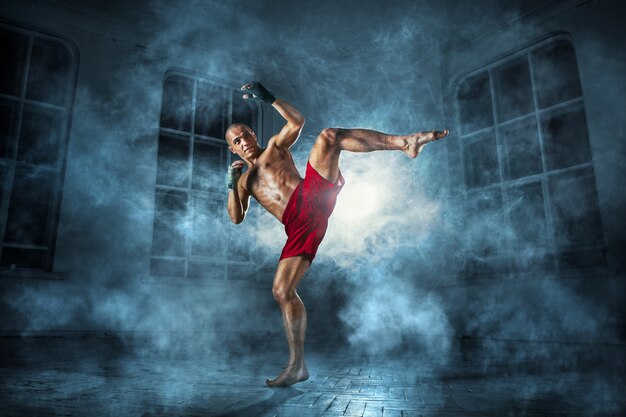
220 261
506 257
65 110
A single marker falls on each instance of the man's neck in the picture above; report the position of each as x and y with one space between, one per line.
252 160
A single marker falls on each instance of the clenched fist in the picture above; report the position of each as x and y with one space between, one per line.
234 173
256 91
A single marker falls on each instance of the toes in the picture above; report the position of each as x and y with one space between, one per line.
274 382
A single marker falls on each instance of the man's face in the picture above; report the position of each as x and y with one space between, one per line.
242 141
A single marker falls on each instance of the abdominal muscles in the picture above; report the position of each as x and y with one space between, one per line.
273 186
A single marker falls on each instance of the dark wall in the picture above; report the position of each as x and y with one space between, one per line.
512 289
387 278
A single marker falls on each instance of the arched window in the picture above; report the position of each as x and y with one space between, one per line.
527 164
190 234
37 83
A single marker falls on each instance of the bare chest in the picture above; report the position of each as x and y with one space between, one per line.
272 179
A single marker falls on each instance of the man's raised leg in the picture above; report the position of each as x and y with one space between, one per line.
324 156
288 275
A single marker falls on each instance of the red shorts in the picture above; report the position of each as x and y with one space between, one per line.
307 212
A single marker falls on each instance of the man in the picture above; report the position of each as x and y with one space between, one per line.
302 205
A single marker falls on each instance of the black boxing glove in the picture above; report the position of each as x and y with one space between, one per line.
256 91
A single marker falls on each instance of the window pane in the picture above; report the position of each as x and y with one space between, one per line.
211 108
565 138
240 249
575 209
531 260
244 272
13 50
527 216
24 258
582 258
173 161
8 128
30 206
481 161
475 267
167 267
556 73
170 223
208 231
485 223
514 95
207 167
474 99
177 103
40 135
4 170
206 270
49 72
243 111
521 151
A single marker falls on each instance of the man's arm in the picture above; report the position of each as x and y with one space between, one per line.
291 131
238 196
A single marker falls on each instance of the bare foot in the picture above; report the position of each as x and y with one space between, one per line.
415 143
289 376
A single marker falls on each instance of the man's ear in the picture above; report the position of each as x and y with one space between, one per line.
230 148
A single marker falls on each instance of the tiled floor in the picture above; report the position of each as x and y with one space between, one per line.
50 377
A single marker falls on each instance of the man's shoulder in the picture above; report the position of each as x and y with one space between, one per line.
271 144
273 148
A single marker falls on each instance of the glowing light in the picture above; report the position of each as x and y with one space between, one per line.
357 202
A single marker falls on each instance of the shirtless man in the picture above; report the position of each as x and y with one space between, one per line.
302 205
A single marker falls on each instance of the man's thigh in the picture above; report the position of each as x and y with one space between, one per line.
290 271
324 158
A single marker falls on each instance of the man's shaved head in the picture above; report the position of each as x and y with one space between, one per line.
242 140
234 129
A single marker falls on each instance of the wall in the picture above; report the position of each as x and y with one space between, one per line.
572 305
358 74
101 278
387 282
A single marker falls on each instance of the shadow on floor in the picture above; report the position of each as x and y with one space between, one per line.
279 397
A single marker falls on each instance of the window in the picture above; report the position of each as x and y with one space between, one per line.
191 233
37 81
527 165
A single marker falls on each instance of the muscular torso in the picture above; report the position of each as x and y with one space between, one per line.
272 179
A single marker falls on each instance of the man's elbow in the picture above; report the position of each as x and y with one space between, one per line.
237 219
297 122
296 127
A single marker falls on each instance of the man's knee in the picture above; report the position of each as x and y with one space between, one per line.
282 294
328 138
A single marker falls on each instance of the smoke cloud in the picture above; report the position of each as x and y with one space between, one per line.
412 276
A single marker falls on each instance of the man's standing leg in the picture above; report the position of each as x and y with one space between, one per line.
324 156
288 275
